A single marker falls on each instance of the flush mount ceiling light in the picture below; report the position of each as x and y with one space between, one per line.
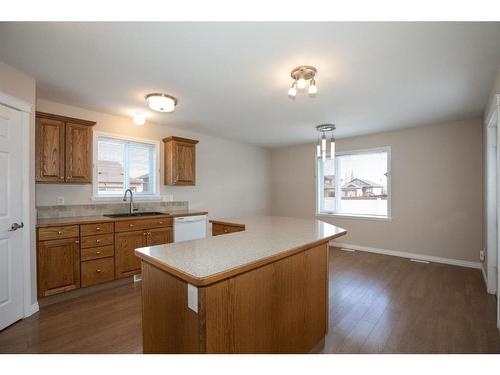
321 146
139 119
303 75
161 102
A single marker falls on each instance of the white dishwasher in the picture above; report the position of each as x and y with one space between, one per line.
190 227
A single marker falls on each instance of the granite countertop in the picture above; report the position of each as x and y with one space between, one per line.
265 238
99 219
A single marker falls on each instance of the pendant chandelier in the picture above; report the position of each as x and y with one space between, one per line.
321 150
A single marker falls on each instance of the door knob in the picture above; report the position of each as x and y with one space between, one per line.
16 226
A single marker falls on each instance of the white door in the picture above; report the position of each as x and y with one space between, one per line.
11 244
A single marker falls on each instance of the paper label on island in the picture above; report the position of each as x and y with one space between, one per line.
193 298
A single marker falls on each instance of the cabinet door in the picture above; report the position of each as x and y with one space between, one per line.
159 236
78 153
49 145
184 163
58 264
126 263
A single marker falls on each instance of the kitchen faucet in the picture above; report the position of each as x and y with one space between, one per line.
131 205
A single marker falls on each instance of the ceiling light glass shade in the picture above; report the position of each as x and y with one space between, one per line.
292 91
318 151
313 89
332 148
323 156
301 83
161 102
323 143
139 119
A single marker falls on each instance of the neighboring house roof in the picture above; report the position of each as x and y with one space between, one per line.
358 183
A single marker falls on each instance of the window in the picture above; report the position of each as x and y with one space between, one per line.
122 164
355 183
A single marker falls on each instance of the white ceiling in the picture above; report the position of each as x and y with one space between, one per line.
231 79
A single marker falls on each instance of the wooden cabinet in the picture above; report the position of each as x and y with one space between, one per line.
159 236
220 228
154 232
80 255
63 149
58 266
126 263
180 161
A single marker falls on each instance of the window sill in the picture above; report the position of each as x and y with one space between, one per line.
137 198
355 217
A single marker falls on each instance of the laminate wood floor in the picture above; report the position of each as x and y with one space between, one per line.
378 304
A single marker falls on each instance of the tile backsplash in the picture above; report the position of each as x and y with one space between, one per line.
49 212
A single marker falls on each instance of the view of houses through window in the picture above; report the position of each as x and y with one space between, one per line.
361 184
123 164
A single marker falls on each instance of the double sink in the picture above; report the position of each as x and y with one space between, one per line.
136 214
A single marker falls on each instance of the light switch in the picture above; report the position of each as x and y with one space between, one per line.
193 298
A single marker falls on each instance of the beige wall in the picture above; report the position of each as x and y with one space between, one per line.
232 178
437 189
19 85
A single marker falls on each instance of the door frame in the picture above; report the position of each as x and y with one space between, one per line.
26 110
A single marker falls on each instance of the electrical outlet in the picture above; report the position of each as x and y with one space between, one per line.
60 200
481 255
168 198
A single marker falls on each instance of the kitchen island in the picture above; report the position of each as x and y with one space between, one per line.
260 290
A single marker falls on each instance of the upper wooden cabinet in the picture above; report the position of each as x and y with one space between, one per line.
63 149
180 161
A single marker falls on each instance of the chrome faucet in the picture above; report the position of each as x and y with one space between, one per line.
131 205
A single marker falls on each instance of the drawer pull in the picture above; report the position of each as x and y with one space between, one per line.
131 225
98 271
160 222
98 252
97 241
98 229
225 231
59 232
77 241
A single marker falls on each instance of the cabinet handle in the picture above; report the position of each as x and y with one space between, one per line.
144 234
59 232
98 252
77 241
131 225
160 222
97 241
98 271
61 177
98 229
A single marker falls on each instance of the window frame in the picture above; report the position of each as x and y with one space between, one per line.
119 197
319 192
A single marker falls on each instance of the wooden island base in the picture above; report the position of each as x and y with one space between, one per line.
281 307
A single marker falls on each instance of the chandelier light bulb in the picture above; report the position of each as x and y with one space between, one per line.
292 91
332 148
318 151
323 143
313 89
301 83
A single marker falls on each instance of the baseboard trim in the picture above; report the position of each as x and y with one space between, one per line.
484 276
34 308
402 254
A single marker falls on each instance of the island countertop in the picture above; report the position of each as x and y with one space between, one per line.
264 240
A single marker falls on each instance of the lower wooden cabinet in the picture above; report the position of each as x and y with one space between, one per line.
126 263
70 256
159 236
218 229
98 271
58 266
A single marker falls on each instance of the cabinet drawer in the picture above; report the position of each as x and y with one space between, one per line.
98 271
218 229
97 252
94 241
55 233
100 228
139 224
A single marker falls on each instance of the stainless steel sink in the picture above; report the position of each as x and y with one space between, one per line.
136 214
